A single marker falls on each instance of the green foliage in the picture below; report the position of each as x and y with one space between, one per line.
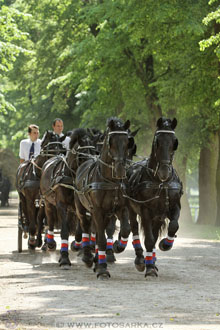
88 60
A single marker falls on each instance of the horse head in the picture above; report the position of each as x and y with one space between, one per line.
117 142
164 145
81 147
133 147
52 143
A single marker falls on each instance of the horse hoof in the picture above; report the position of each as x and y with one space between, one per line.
117 248
51 246
32 244
65 267
64 261
88 260
140 267
140 263
110 258
163 246
39 243
151 272
103 275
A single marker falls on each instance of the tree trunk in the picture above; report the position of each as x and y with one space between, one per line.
217 222
207 182
185 214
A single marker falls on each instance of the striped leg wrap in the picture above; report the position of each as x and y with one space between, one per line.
169 240
77 245
123 242
92 239
50 236
32 238
154 255
85 240
64 245
149 258
102 257
136 242
109 245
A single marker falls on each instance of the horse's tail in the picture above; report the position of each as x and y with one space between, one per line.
162 229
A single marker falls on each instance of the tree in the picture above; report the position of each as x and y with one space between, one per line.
213 42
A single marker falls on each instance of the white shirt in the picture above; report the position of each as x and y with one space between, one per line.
25 146
66 142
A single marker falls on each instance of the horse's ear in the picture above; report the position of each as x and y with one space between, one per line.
159 122
175 146
127 125
135 132
111 125
174 123
134 149
130 142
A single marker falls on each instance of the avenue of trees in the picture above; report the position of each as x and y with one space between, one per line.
87 60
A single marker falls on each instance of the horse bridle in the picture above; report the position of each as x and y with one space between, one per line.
114 159
167 163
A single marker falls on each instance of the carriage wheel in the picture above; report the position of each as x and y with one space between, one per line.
20 232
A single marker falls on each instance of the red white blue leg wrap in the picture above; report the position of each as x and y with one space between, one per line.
109 245
102 257
77 245
169 240
64 245
50 236
92 239
123 242
85 240
136 242
154 256
149 258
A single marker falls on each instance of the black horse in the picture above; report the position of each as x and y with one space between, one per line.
154 194
99 190
5 187
111 221
28 186
57 190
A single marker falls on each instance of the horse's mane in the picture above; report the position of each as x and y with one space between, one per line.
77 134
118 123
166 124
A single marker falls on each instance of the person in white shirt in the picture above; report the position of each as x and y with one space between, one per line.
58 129
30 147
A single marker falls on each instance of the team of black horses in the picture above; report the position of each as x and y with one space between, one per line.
84 190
